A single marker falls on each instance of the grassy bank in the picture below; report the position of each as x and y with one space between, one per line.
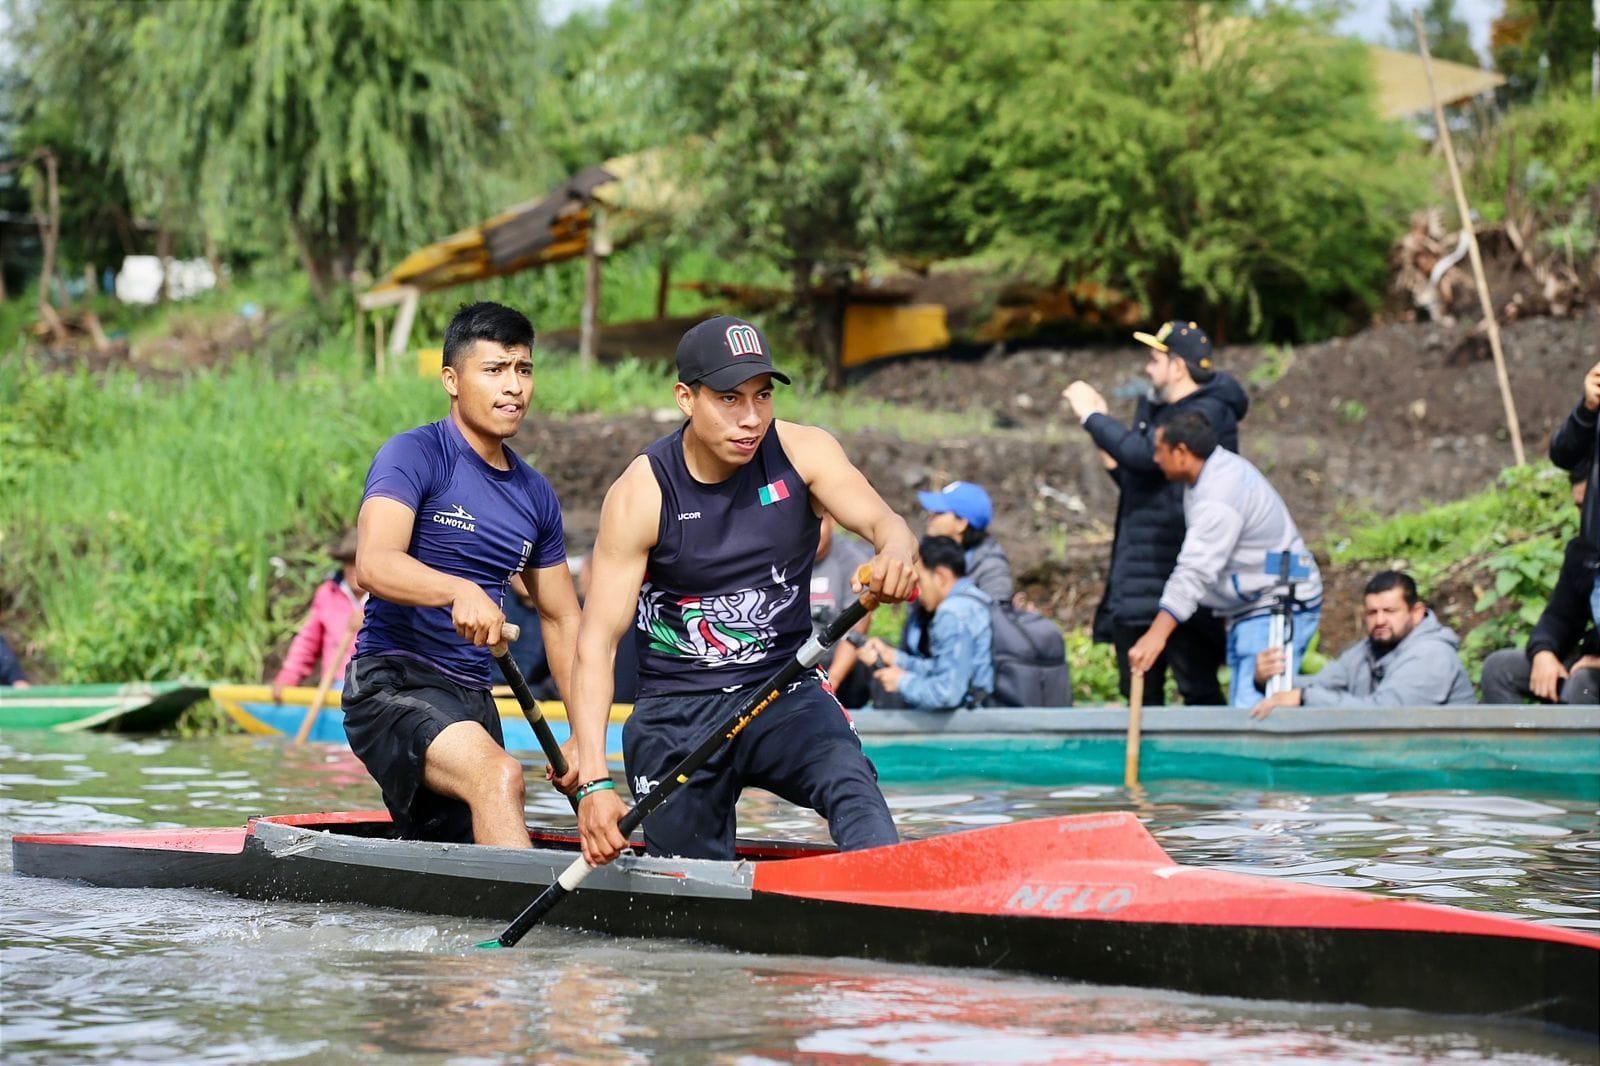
174 525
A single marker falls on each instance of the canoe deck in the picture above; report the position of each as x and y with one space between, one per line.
1088 898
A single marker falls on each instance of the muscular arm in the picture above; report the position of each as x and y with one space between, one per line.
557 604
386 568
629 520
844 491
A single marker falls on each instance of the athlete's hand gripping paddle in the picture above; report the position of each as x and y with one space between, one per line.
808 656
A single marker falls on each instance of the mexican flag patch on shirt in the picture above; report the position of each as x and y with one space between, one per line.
774 492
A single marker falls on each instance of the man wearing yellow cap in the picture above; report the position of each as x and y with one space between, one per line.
1150 523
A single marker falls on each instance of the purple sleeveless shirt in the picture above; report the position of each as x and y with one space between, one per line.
726 595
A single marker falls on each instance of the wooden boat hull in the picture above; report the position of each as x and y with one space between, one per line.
134 707
251 708
1550 750
1088 897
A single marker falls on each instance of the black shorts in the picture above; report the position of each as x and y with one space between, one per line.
801 748
394 707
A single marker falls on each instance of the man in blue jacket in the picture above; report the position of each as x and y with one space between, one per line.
959 668
1150 525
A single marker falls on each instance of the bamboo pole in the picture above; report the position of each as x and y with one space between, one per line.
1504 379
1130 764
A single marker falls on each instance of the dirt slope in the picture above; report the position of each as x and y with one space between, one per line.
1371 424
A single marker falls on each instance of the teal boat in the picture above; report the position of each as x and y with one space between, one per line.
1554 750
1551 749
131 707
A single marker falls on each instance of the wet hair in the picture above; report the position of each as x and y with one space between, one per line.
1191 430
1385 580
942 551
485 321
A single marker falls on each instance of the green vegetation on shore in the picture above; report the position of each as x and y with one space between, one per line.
176 527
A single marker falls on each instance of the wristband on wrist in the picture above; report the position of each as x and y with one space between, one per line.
601 785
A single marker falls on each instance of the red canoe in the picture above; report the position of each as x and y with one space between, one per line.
1084 897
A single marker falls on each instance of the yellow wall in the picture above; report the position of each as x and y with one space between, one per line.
872 331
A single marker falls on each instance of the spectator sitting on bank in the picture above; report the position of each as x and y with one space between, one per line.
1407 659
959 670
11 675
336 606
839 556
962 511
1236 519
1562 660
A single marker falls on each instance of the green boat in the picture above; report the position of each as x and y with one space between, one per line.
1549 749
131 707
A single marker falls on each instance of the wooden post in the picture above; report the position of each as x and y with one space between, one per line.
49 235
377 343
361 335
663 285
403 320
589 321
1472 248
164 253
1130 764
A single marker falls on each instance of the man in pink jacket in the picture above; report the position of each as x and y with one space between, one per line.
335 607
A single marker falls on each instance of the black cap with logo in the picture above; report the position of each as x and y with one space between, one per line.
723 353
1185 340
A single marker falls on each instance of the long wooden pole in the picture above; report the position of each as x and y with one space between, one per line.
1512 424
330 670
1130 766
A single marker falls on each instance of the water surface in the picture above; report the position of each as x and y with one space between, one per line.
91 975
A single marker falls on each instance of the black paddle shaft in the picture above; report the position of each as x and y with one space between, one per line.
530 708
804 659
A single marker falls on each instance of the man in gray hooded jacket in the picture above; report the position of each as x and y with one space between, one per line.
1235 522
1407 659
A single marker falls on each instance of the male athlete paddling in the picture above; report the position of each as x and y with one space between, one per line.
705 545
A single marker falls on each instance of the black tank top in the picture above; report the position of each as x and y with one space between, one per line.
726 595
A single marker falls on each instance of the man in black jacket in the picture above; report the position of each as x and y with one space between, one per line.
1574 443
1150 524
1562 660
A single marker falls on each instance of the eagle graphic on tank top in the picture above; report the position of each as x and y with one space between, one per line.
735 627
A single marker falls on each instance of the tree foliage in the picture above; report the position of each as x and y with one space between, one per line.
777 126
1448 34
358 126
1544 45
1194 158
